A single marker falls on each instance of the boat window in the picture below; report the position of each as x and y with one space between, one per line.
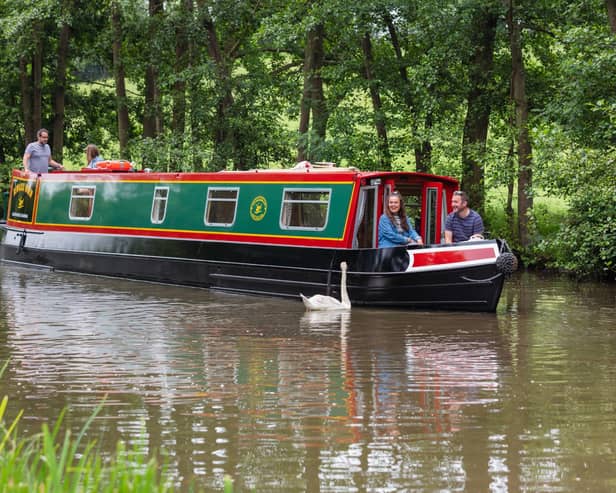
431 196
159 204
82 202
412 206
305 209
221 206
443 216
366 219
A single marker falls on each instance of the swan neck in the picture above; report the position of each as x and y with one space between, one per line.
344 295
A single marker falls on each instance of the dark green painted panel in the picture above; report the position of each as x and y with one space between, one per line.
129 204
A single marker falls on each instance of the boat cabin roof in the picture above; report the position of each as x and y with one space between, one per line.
303 171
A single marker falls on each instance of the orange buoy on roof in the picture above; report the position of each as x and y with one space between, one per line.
115 165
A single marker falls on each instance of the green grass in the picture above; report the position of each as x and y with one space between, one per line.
52 462
549 213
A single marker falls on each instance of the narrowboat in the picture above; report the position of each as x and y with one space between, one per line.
267 232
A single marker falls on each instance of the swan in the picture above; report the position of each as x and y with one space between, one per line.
321 302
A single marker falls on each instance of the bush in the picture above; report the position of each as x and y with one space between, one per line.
585 245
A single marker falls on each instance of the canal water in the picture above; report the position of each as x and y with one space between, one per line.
286 401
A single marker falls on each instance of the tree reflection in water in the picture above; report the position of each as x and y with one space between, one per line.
287 400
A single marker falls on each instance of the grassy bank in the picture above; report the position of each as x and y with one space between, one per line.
549 213
55 462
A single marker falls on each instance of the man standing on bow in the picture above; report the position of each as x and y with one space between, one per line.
463 223
37 157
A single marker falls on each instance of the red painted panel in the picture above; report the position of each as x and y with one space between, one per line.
423 259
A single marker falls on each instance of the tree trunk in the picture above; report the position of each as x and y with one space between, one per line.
304 119
60 89
305 105
510 188
196 158
320 114
182 57
423 149
149 108
518 95
395 42
195 131
313 98
223 135
375 95
37 79
120 80
611 14
152 121
26 100
478 111
31 87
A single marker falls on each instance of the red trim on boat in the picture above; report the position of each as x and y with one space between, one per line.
193 235
443 257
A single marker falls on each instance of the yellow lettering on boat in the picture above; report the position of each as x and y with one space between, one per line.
23 188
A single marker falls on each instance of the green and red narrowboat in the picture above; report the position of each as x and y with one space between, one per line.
265 232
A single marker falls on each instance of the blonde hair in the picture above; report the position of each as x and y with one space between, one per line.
91 152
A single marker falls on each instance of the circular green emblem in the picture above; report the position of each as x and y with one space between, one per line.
258 208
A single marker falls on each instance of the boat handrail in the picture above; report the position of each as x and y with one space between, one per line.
300 169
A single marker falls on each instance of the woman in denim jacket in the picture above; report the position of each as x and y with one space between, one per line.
395 228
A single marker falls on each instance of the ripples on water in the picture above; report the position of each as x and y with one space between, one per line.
283 400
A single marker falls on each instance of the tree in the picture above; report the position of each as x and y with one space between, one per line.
415 85
119 78
60 79
152 119
611 14
183 50
484 22
31 82
422 146
521 112
313 99
377 106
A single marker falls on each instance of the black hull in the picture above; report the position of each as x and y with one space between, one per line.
264 269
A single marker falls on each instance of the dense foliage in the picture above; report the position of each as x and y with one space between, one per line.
515 95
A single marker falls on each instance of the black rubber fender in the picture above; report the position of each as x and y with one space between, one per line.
506 263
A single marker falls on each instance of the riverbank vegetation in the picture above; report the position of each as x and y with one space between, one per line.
514 96
52 461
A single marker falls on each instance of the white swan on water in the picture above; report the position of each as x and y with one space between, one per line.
322 302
